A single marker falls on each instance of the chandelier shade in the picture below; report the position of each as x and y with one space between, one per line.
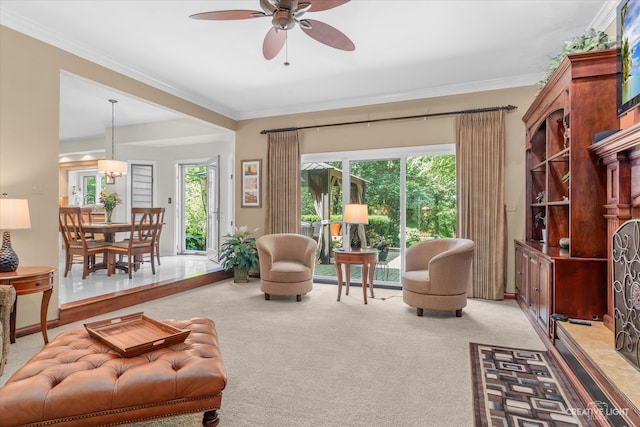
112 168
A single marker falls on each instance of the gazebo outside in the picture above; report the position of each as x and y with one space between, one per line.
324 182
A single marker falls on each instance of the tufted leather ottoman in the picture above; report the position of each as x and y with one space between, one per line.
76 380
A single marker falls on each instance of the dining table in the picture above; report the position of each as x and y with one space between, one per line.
107 229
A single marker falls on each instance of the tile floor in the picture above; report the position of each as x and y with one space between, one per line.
73 287
597 341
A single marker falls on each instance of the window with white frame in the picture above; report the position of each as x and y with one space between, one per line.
141 185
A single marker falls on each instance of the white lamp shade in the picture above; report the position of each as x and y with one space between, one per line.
112 167
14 214
356 214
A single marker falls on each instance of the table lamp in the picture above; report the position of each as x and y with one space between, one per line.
356 214
14 215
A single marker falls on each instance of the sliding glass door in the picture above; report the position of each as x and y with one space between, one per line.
430 198
410 196
376 183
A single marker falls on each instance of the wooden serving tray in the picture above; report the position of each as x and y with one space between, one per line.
135 334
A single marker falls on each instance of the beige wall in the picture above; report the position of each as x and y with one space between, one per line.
29 100
415 132
29 105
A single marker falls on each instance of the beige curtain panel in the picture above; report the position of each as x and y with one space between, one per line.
283 183
480 142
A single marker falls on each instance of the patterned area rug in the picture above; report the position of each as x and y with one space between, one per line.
523 388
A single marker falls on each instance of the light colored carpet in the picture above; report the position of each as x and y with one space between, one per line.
326 363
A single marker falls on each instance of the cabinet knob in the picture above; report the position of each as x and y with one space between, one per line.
38 283
536 289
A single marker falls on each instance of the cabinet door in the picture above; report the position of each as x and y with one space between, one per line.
520 268
544 293
534 284
523 275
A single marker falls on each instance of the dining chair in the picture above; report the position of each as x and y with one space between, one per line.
77 245
157 243
141 240
160 224
86 219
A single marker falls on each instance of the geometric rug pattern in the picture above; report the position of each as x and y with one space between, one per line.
523 388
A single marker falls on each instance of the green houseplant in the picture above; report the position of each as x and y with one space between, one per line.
382 245
590 40
239 253
379 242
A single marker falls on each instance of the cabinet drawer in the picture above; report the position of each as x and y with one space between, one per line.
31 284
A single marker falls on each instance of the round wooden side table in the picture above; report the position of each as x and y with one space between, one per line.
365 257
29 280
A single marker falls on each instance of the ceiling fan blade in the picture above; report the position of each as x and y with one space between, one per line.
268 7
273 42
225 15
326 34
318 5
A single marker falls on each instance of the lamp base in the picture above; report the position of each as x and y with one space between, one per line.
8 258
356 244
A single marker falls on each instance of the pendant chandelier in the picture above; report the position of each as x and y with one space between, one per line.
112 168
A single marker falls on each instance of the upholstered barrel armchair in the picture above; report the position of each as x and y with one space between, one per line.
438 274
7 298
287 262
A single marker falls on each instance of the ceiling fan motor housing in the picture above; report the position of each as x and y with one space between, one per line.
283 19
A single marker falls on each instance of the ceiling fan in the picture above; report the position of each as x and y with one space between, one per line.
285 15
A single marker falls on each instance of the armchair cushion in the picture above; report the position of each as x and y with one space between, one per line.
416 281
289 271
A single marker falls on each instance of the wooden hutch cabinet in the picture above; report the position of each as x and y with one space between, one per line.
566 192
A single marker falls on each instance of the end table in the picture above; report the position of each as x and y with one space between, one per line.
29 280
365 257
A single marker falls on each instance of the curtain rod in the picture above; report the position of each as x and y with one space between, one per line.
507 108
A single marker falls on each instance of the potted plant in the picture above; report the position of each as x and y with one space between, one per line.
378 242
540 219
589 41
239 253
382 245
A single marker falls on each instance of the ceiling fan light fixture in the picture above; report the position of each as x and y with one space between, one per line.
283 19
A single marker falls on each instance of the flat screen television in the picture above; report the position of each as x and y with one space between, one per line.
628 25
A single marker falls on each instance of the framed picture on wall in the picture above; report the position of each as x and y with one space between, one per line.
251 183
